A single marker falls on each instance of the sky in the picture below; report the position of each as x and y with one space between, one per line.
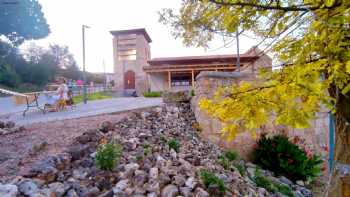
65 18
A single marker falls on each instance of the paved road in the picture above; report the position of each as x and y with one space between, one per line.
8 111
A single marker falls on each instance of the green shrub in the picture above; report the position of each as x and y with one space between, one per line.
262 181
107 156
210 179
225 163
231 155
240 168
152 94
283 157
192 92
174 144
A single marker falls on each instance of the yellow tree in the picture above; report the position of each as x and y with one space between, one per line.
312 40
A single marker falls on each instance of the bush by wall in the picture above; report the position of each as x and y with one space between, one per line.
283 157
152 94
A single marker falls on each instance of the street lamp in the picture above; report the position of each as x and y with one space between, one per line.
84 73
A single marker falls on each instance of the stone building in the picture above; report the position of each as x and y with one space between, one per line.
135 70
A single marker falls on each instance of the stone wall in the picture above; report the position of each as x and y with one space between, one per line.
208 82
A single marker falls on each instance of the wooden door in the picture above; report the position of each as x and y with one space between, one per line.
129 80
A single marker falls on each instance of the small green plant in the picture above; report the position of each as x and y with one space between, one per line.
283 157
147 149
152 94
107 156
231 155
225 163
192 92
240 168
262 181
210 179
139 157
174 144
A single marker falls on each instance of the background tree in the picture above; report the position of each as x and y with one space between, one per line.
312 40
22 20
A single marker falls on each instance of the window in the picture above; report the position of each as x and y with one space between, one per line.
182 79
129 54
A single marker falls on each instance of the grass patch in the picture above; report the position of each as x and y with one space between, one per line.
210 179
231 155
91 97
240 168
152 94
174 144
225 163
270 186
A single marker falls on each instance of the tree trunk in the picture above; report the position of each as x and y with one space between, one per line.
340 180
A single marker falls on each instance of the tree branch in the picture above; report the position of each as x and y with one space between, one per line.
295 8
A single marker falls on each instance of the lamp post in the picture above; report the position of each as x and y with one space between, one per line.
238 58
84 73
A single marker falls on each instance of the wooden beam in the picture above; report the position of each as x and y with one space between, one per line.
189 69
169 80
192 78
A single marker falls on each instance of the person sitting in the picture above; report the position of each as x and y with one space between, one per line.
59 98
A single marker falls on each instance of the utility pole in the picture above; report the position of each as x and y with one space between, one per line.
238 58
104 73
84 72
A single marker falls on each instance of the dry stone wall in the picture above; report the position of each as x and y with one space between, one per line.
207 83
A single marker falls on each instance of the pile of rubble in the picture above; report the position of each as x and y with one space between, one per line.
148 167
9 127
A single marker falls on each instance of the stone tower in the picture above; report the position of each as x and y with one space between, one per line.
131 51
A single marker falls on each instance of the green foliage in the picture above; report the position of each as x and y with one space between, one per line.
8 76
310 40
210 179
22 20
240 168
152 94
192 92
174 144
147 149
91 97
34 68
224 162
262 181
107 156
231 155
283 157
139 157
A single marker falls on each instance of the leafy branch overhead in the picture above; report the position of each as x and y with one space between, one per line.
22 20
311 40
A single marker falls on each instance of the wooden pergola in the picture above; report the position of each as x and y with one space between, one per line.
195 64
191 69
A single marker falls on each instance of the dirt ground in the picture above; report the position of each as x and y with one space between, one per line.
20 150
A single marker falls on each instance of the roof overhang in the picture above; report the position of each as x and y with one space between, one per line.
195 60
133 31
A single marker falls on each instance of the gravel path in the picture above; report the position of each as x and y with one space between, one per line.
92 108
19 150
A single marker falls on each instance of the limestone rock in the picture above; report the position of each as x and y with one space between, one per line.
28 187
170 191
8 190
106 126
120 186
201 192
176 97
